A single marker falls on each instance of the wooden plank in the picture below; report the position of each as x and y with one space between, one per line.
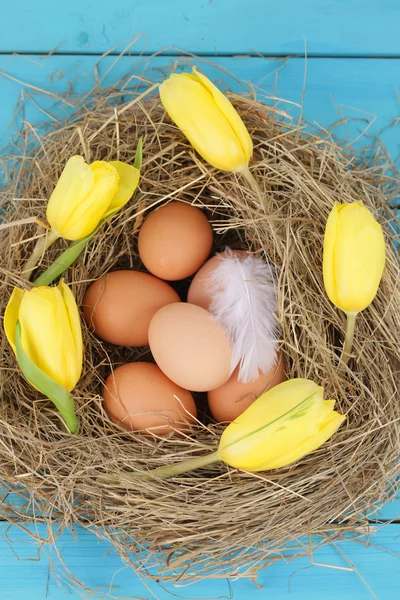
361 89
98 565
330 27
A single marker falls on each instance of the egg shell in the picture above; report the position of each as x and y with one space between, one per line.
200 291
138 396
190 347
175 240
120 305
231 400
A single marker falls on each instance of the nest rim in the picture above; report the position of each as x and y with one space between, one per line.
251 518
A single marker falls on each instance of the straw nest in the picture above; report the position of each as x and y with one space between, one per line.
216 520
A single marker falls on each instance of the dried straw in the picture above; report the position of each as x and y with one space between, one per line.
215 521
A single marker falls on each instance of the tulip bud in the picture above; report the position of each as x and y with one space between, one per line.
354 257
283 425
208 120
86 194
43 328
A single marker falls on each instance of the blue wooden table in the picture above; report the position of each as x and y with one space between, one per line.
338 59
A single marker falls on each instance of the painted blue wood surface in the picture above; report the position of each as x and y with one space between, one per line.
372 565
330 27
360 87
391 511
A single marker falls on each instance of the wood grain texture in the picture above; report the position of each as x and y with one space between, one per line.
96 564
329 27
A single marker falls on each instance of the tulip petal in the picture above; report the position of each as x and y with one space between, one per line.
359 257
60 397
47 336
193 109
128 182
329 427
230 113
284 415
86 215
11 315
70 356
75 329
276 402
74 185
329 254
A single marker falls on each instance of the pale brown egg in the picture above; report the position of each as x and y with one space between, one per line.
138 396
200 290
231 400
120 305
174 241
190 347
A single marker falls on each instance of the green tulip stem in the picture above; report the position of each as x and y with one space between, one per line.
183 467
252 182
65 260
348 341
42 244
164 472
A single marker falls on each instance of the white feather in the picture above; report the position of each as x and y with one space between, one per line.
245 304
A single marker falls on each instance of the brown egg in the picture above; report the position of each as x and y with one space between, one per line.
230 400
190 347
174 241
200 291
139 396
120 305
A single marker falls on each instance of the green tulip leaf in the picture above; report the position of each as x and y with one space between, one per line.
60 397
139 155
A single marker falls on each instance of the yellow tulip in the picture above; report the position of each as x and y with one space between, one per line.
354 256
354 259
86 194
283 425
280 427
51 332
208 120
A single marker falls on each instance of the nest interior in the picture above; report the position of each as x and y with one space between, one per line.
216 520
